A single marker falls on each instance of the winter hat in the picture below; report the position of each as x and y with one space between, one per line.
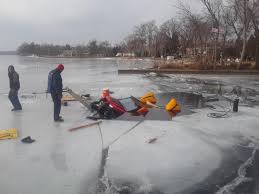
11 68
60 67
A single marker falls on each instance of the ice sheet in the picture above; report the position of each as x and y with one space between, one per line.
187 151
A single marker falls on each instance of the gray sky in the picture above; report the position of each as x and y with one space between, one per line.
76 21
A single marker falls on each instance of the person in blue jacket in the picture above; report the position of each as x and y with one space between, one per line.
55 87
14 88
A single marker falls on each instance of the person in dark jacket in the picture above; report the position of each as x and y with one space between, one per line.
14 88
55 87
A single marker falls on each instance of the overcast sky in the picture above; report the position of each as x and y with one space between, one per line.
76 21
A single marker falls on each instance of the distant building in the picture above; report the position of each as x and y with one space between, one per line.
100 55
125 55
199 51
119 54
69 53
169 58
85 55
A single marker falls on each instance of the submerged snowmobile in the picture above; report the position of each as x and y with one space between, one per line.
108 107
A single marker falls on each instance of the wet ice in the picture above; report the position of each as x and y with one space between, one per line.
187 151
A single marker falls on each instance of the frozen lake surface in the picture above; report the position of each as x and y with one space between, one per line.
193 153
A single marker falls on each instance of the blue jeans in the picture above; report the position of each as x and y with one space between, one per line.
57 105
13 97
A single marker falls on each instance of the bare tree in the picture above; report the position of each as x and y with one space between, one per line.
169 37
151 33
143 40
253 13
228 19
232 18
243 6
194 29
214 11
233 21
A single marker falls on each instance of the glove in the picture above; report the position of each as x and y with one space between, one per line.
60 96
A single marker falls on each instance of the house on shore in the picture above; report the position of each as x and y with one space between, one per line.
125 55
69 53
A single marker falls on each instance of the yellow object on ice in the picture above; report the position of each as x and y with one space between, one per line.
8 134
173 106
67 98
148 97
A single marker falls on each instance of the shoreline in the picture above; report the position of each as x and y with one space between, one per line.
155 70
88 57
188 71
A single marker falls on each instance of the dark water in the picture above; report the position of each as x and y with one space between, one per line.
188 102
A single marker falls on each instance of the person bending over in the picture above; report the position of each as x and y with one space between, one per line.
14 88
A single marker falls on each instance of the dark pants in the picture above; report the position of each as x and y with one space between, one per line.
13 97
57 105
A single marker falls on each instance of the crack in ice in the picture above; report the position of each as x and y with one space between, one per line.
242 175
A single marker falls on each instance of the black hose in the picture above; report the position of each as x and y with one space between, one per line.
222 113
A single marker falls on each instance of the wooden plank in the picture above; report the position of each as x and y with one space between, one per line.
67 98
82 100
84 126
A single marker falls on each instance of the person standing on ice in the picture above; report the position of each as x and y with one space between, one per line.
14 88
55 87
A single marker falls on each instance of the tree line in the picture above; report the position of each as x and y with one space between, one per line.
228 28
223 28
93 48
